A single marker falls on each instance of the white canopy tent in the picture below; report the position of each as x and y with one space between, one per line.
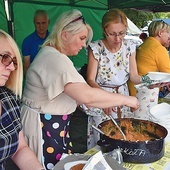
132 28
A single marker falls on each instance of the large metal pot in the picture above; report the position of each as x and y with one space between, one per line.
137 151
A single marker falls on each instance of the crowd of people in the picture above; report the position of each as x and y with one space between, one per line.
51 102
39 116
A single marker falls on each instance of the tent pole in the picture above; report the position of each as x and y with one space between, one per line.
10 28
108 4
10 16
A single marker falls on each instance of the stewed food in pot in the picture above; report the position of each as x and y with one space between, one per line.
133 130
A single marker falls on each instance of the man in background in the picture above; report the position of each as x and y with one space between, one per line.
143 36
33 42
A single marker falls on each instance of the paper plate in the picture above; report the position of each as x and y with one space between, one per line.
68 165
161 111
160 114
159 76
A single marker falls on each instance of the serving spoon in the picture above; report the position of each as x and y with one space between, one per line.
101 132
97 129
117 126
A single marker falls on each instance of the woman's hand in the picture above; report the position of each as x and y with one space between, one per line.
167 84
132 102
108 111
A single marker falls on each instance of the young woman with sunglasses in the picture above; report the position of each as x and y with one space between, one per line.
12 142
111 62
54 88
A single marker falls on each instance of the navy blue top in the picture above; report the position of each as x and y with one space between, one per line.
31 45
10 125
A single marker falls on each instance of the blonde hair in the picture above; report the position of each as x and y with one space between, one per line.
156 26
113 16
65 22
14 82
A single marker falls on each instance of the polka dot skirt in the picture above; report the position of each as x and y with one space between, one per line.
55 138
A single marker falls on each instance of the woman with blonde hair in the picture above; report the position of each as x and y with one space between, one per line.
152 55
12 142
54 88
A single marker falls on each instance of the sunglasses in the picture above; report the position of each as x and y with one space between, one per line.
75 20
7 60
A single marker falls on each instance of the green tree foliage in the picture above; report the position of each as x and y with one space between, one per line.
168 15
141 18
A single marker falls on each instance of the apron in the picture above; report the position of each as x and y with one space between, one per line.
55 136
48 136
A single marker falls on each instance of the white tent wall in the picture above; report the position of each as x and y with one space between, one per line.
132 28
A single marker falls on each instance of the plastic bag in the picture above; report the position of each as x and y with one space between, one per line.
97 162
107 161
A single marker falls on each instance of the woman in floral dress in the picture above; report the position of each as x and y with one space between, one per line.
111 62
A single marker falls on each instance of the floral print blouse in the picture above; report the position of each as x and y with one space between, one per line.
113 68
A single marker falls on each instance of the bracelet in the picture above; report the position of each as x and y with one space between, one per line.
145 79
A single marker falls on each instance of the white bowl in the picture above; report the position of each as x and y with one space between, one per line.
159 76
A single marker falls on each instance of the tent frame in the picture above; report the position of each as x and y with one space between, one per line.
145 5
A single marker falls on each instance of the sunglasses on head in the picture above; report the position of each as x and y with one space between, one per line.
7 60
75 20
